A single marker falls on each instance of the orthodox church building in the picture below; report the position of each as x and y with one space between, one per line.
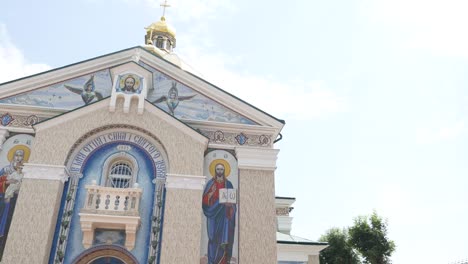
128 158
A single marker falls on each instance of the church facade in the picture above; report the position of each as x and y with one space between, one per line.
128 158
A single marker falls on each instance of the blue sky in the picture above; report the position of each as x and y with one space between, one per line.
373 93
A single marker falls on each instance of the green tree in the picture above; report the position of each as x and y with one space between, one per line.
368 236
339 251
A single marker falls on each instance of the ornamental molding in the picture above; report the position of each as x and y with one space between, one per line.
64 73
210 91
187 182
225 138
21 121
165 67
3 136
233 127
283 211
45 172
298 252
256 158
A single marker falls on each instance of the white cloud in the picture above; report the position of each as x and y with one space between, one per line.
12 62
299 100
435 25
439 132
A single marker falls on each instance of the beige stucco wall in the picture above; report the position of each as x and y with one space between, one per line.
72 126
33 222
35 216
313 259
257 217
182 227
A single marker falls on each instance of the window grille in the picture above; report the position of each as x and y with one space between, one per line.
120 174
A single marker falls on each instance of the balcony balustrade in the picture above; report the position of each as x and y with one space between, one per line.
110 208
112 201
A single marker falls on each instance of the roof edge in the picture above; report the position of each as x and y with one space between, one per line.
302 243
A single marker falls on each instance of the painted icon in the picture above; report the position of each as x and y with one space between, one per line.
220 208
16 152
129 84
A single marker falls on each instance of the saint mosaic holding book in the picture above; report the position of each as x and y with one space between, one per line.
219 207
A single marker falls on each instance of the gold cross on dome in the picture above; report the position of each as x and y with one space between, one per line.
164 5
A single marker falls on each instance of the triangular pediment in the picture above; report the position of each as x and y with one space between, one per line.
177 92
101 108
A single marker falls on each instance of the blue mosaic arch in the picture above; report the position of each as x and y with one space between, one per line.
87 167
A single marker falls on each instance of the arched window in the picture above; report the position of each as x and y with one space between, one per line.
120 174
120 170
160 42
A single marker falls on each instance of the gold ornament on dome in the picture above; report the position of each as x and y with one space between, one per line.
161 26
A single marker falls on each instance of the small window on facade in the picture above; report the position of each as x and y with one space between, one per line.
120 175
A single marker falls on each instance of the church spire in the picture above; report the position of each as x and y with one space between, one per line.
160 34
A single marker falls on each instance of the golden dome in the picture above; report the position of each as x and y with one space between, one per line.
161 26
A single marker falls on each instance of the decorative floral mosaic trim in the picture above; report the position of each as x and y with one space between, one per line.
238 139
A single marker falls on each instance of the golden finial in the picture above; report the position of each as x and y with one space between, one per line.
164 5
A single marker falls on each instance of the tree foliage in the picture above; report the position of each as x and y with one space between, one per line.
366 241
339 251
368 236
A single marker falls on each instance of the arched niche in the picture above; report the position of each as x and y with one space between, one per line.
87 162
99 254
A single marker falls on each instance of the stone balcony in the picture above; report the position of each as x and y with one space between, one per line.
110 208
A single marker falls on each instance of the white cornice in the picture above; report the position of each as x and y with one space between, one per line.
220 146
187 182
45 172
280 202
300 249
232 127
103 104
256 158
72 115
32 110
65 73
267 122
208 90
22 130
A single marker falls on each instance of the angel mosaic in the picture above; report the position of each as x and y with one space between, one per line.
173 99
88 91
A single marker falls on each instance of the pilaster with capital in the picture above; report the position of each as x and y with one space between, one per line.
33 224
257 215
182 219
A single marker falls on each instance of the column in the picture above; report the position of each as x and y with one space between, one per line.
33 225
257 215
181 235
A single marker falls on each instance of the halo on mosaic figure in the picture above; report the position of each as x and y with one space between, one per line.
25 149
227 167
133 76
